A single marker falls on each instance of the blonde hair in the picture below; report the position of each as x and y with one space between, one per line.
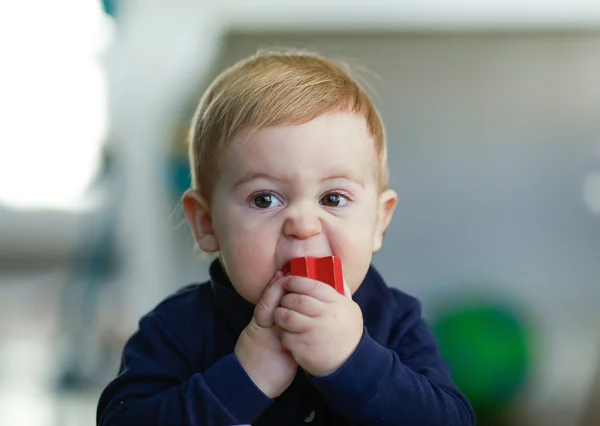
272 89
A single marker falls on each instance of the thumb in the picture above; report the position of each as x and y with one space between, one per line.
347 291
265 308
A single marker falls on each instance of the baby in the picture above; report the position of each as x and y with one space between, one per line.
288 159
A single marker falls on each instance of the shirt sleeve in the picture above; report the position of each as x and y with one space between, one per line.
405 383
157 385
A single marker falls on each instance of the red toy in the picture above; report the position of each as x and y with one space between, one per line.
326 269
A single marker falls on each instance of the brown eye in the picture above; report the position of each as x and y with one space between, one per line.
265 201
334 200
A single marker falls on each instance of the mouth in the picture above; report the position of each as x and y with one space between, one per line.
285 268
304 262
286 264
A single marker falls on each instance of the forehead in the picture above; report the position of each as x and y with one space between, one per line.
332 143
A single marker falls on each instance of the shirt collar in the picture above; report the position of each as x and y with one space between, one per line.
235 310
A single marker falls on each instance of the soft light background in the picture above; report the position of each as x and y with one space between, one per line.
493 118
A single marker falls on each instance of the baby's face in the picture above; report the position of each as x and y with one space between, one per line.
293 191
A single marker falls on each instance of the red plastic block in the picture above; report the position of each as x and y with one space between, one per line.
325 269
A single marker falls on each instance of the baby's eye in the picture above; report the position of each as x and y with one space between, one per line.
334 199
265 201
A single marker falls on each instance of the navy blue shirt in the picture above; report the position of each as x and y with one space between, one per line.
179 368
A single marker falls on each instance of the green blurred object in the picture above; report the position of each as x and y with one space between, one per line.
110 7
488 350
180 176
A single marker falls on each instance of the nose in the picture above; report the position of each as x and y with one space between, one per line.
302 223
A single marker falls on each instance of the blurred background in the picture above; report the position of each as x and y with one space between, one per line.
493 117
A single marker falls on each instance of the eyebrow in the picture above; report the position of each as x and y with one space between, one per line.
347 176
262 175
251 176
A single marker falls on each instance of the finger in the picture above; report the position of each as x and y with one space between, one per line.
310 287
291 321
347 291
290 340
277 275
303 304
263 312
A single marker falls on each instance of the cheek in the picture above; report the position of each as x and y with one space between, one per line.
247 273
353 244
249 266
247 254
355 260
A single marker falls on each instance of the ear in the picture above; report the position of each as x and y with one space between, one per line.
387 204
198 215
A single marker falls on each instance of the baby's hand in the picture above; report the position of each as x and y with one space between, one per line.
259 350
321 327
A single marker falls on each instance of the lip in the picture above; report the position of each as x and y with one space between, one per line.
287 261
